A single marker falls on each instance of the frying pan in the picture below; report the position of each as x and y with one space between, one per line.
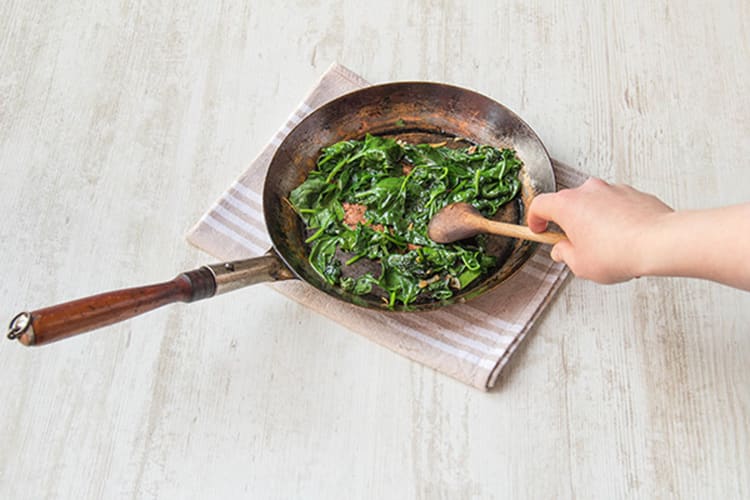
418 112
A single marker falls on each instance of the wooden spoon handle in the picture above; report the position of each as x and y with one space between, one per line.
522 232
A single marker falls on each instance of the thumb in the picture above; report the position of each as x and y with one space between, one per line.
563 252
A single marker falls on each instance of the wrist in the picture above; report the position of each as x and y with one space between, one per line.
655 247
693 243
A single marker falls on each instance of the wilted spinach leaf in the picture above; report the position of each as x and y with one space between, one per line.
399 187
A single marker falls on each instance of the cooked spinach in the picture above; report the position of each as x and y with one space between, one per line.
373 199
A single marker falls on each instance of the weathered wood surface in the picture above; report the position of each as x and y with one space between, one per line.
121 122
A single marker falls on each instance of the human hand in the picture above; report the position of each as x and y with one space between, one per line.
609 228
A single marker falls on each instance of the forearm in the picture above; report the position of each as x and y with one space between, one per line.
710 244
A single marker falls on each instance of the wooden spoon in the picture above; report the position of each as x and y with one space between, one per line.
459 221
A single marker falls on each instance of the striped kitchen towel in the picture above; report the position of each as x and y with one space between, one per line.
471 342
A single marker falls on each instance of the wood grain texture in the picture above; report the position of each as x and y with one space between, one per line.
121 122
61 321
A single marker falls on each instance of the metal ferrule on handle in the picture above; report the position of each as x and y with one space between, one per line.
230 276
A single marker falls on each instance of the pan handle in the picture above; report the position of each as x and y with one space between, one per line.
57 322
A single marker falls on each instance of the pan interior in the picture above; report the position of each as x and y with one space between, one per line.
497 246
416 113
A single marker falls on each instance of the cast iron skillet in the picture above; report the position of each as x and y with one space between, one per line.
413 111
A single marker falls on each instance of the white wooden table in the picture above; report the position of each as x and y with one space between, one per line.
121 122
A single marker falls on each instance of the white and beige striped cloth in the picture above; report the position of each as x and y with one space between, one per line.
471 342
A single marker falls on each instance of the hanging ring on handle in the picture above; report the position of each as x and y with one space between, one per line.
18 325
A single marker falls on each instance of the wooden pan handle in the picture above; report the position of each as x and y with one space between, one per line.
71 318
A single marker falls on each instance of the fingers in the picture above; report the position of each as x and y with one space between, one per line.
563 252
554 206
542 210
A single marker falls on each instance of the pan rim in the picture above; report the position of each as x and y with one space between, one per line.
486 284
